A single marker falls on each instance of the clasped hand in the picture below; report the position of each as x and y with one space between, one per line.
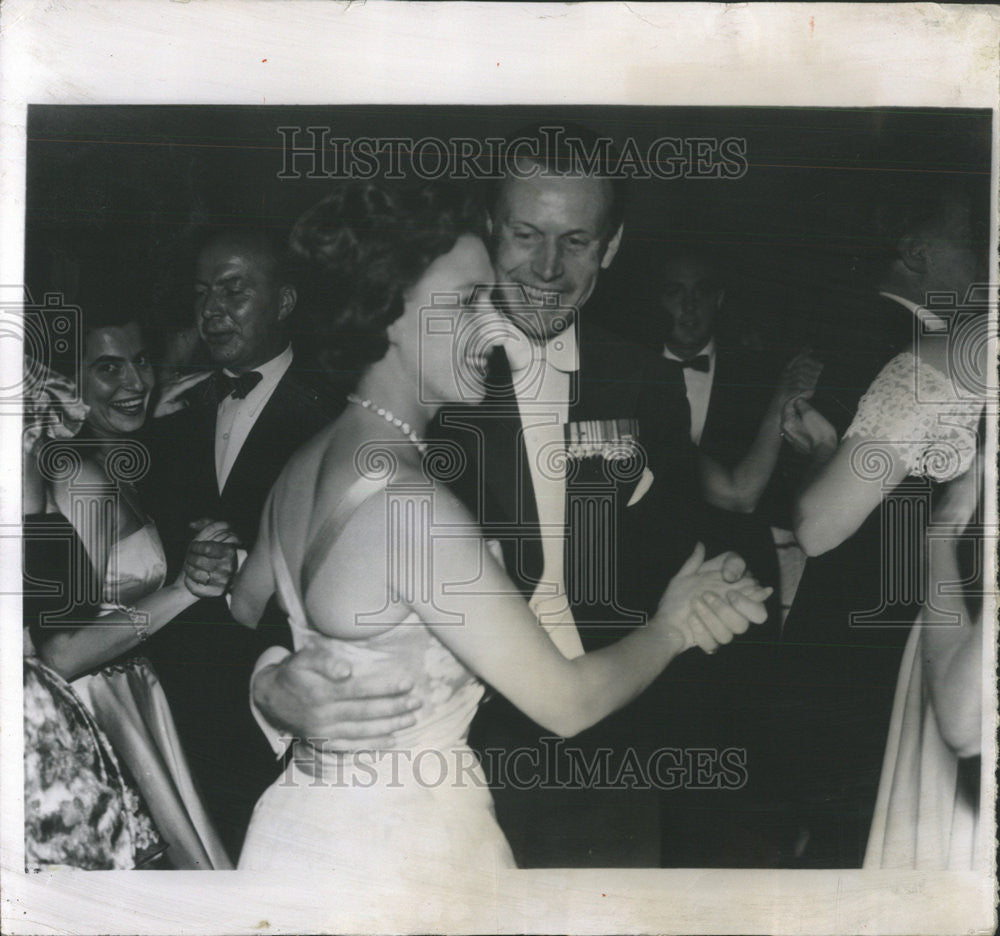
799 378
211 561
708 603
807 430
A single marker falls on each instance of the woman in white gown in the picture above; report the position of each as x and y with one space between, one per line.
366 549
919 419
90 475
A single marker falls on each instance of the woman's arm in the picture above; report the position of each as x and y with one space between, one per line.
740 488
73 652
500 639
77 650
254 584
839 498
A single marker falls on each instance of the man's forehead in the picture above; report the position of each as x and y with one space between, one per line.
233 253
687 270
547 190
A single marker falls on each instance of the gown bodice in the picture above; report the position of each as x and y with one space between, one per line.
448 691
137 566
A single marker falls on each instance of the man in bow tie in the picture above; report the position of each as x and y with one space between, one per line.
737 397
217 458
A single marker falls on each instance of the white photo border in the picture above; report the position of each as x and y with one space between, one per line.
310 52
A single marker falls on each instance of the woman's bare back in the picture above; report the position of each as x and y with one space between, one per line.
335 550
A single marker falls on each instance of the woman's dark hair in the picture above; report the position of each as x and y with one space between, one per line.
104 302
359 250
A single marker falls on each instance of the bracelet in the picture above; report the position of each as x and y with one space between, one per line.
140 621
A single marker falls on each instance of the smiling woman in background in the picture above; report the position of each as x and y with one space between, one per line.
90 475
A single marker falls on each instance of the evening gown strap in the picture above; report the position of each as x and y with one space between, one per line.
421 809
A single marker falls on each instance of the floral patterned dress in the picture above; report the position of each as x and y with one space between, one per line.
80 808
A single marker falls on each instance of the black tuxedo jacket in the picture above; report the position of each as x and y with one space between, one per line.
839 675
203 657
848 577
715 702
618 389
742 387
181 484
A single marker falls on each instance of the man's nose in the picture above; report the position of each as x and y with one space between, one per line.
209 305
547 261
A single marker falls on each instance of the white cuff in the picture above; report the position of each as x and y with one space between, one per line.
241 557
280 743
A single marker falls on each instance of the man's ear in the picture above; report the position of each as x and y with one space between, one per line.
612 248
489 222
287 301
912 250
720 298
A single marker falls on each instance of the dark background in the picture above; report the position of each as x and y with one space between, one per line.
114 193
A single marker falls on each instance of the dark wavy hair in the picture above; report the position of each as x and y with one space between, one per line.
104 301
359 250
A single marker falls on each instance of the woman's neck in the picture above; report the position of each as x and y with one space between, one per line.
387 387
100 446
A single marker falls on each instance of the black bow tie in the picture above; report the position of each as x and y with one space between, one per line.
223 385
699 363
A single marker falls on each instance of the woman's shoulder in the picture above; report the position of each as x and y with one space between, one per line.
78 473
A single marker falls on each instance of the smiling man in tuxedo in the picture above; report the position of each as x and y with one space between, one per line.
579 465
590 537
217 458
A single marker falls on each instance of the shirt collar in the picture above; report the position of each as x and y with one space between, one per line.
561 351
931 321
709 349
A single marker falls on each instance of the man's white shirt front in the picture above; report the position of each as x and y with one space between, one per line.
236 418
542 378
698 385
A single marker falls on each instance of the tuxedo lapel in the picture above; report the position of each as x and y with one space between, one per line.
600 393
269 444
181 485
596 492
259 446
884 329
202 459
510 493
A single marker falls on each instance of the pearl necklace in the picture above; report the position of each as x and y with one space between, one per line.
391 418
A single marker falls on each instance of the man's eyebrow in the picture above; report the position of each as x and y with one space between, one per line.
573 233
108 358
207 281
